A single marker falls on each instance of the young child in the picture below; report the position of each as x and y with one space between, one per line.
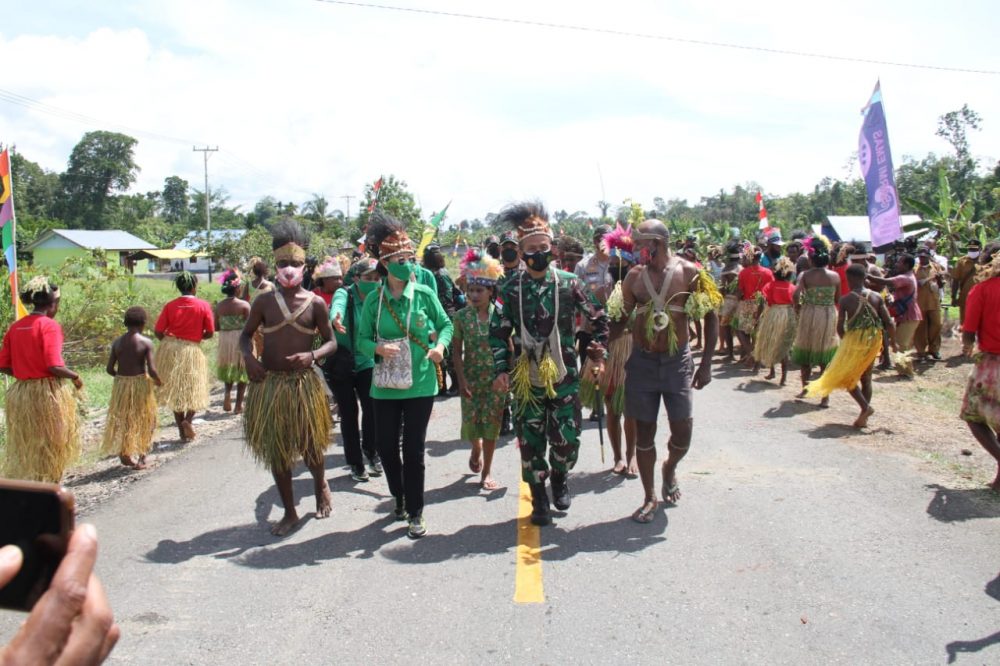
778 324
230 316
861 322
482 407
43 427
128 432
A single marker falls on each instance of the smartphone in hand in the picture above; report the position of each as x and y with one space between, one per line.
38 519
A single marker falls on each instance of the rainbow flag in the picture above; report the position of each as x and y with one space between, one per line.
7 230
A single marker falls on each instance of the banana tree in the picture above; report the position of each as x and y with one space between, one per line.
951 220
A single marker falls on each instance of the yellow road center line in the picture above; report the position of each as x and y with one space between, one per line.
528 581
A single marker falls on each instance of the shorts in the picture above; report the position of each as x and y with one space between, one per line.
650 378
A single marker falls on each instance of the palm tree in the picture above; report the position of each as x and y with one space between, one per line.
316 208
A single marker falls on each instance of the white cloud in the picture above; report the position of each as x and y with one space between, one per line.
312 97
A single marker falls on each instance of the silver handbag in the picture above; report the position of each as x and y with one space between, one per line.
395 372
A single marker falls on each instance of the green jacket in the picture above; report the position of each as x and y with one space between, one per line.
427 316
349 340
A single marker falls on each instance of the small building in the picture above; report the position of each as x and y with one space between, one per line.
195 243
163 261
858 228
55 246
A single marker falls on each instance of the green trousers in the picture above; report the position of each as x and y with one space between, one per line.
552 423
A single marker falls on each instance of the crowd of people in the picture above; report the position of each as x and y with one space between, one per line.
532 331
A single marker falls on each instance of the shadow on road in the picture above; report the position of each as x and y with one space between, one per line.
949 505
789 408
757 386
955 647
993 588
842 431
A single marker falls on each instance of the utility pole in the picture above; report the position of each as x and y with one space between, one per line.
208 214
347 198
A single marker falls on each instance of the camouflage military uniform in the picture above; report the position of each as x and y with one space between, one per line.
553 420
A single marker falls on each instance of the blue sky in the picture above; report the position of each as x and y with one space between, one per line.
305 96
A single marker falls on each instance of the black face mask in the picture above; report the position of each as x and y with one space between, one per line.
493 251
509 254
538 261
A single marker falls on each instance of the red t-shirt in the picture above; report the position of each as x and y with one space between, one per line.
842 272
327 298
778 292
187 318
982 315
32 345
752 279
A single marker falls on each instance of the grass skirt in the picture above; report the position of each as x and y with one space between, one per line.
230 368
613 381
131 417
981 403
43 429
184 373
287 416
746 317
856 353
775 334
816 338
730 304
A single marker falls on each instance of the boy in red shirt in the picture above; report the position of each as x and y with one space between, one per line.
182 325
981 405
41 441
751 281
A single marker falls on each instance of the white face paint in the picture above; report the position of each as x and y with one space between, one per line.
290 276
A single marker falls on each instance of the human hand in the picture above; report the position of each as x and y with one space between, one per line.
387 350
464 390
502 383
78 383
702 377
436 354
157 382
595 351
301 361
338 325
72 623
255 369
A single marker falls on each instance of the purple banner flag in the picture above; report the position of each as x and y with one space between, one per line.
876 168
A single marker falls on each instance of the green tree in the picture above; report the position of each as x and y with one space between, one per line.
316 209
101 163
35 189
395 200
948 217
175 200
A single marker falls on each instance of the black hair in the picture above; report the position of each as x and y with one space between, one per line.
288 231
798 236
186 281
40 296
909 260
228 288
135 316
516 214
856 271
988 251
433 259
380 227
570 244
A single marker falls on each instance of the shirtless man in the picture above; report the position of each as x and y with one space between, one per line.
661 366
286 414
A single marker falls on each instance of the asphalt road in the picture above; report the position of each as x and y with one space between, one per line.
788 547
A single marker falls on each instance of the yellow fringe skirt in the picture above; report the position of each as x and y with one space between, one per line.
856 353
229 364
43 429
184 373
287 416
775 334
131 417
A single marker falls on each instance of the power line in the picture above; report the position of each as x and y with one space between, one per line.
656 37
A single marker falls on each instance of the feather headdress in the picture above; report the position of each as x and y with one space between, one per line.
479 268
618 243
232 276
817 244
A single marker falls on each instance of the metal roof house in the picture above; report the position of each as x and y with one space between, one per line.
55 246
857 227
194 243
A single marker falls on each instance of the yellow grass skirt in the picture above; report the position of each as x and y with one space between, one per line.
775 334
230 368
131 417
730 304
816 338
746 316
287 416
43 429
184 373
857 351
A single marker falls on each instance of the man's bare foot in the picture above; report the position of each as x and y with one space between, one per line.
227 403
489 483
286 525
802 394
825 402
670 491
633 468
127 461
862 421
619 467
782 382
141 463
324 503
187 431
645 513
770 375
239 408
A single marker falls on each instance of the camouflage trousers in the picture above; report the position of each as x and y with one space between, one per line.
554 422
